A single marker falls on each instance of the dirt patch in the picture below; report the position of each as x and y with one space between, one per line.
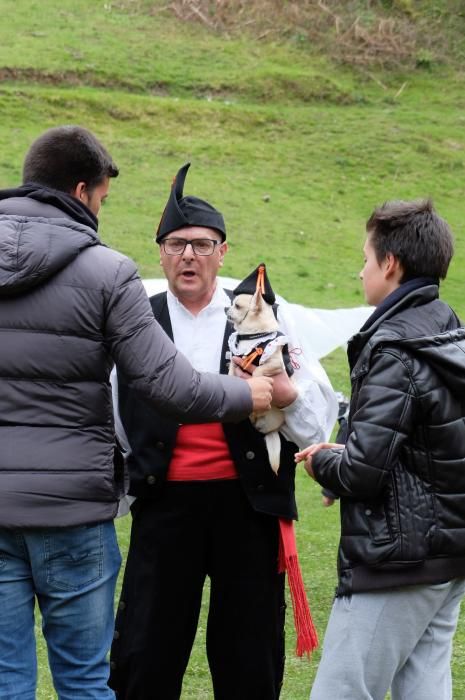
350 32
73 79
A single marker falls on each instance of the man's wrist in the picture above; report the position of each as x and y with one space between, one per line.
287 397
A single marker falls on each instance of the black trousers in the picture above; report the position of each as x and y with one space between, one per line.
197 530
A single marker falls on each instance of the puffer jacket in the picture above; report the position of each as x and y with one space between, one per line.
69 308
401 476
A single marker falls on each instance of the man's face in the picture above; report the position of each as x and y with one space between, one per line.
192 277
93 199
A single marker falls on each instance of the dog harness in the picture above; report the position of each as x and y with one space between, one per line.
256 347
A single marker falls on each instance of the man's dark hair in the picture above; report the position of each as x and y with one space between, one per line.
412 232
66 155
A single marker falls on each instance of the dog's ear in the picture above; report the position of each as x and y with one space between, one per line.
256 305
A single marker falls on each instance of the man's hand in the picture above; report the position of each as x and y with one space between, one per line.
308 453
284 391
262 392
238 371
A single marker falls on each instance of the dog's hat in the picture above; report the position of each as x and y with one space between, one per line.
257 280
183 211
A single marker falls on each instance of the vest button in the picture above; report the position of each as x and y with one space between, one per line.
249 454
121 605
151 479
260 487
116 634
368 511
112 665
160 445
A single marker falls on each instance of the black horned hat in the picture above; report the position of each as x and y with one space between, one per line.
257 280
183 211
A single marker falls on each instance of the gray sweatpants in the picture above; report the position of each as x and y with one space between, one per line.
398 639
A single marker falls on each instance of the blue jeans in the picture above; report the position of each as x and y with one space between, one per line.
72 572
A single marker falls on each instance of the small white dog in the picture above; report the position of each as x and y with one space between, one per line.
258 341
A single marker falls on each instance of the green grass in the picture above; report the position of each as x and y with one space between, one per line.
294 149
324 168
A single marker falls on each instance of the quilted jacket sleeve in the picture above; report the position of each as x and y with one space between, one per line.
381 419
148 358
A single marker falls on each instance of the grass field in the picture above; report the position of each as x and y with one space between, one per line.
295 149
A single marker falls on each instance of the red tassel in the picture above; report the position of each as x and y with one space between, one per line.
288 560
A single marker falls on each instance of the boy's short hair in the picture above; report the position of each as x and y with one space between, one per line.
412 232
66 155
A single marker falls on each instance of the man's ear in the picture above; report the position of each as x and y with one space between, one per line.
79 190
223 250
392 268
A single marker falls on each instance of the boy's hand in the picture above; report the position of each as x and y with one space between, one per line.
308 453
327 501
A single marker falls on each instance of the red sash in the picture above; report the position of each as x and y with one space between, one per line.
201 453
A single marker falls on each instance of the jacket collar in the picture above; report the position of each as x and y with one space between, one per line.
393 299
68 204
408 295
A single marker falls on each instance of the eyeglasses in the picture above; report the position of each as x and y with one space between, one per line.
200 246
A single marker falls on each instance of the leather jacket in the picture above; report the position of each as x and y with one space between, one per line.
401 476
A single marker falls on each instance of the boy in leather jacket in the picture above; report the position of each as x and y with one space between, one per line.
400 476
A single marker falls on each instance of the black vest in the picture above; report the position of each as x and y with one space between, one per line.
152 437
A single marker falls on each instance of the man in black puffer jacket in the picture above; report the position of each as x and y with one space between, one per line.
69 308
401 475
